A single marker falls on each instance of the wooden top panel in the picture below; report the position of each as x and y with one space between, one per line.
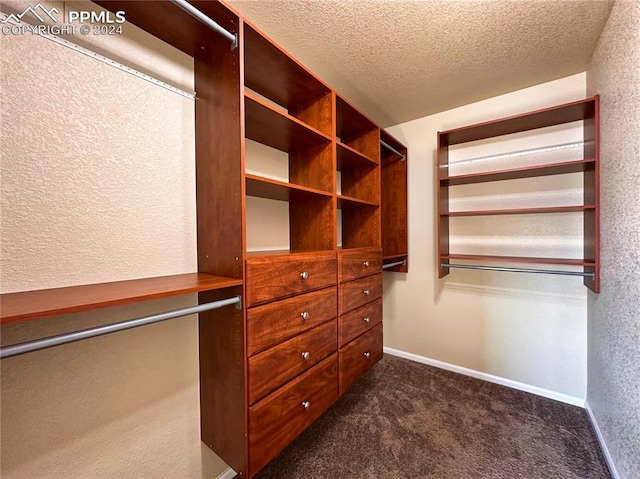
31 305
277 129
574 111
170 23
270 71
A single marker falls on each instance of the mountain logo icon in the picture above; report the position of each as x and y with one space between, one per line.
15 18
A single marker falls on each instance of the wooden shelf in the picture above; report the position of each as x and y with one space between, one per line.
31 305
271 72
521 211
577 166
518 259
557 115
346 201
349 158
269 126
279 190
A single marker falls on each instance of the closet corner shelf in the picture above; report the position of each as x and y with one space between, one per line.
267 125
262 187
32 305
577 166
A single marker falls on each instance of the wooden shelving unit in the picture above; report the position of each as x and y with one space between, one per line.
586 111
258 388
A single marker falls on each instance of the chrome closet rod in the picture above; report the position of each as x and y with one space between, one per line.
389 147
391 265
516 270
198 15
36 345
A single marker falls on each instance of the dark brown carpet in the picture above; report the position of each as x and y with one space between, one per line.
408 420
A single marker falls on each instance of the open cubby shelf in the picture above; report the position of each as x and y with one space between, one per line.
269 126
32 305
280 190
349 158
586 111
345 201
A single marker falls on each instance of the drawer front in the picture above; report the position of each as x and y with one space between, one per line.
359 292
278 276
357 263
272 323
272 368
278 419
353 324
357 357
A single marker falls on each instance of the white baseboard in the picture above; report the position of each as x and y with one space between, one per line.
228 473
603 444
565 398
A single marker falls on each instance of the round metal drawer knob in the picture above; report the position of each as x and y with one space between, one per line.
305 355
367 354
304 315
306 404
367 292
367 319
365 264
304 275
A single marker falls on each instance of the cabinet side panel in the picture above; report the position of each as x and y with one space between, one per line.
443 202
592 196
219 187
222 380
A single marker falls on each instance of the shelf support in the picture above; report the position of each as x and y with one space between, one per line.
44 343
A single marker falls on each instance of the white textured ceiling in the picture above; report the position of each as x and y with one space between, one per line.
398 60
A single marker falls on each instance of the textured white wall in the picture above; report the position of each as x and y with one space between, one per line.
614 319
98 184
528 328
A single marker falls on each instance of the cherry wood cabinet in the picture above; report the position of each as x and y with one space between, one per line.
310 324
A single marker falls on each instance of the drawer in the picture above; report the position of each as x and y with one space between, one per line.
272 368
353 324
359 292
272 323
358 262
279 418
271 277
357 357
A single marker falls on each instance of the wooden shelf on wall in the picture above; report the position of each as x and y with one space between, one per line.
586 111
577 166
32 305
280 190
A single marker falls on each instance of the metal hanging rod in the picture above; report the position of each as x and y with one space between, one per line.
96 56
44 343
517 270
391 148
201 17
397 263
